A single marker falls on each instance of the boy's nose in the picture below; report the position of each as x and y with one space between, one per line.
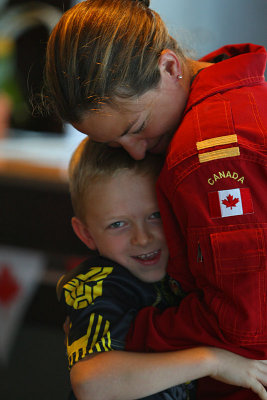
141 237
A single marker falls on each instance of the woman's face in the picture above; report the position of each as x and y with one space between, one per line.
139 125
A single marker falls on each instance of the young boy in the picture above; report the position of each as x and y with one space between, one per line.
117 215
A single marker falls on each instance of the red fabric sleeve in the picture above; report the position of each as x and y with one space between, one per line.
196 322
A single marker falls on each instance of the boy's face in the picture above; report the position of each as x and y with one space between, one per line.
123 224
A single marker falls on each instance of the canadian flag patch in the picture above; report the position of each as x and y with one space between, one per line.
227 203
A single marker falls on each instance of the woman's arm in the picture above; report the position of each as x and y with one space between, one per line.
119 375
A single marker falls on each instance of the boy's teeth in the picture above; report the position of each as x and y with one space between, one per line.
148 256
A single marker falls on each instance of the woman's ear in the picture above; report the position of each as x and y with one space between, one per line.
169 64
83 233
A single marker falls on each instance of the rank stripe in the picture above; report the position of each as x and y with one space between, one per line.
218 141
216 154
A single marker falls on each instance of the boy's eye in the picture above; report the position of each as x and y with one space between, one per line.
117 224
155 215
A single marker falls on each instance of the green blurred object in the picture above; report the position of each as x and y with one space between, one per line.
8 81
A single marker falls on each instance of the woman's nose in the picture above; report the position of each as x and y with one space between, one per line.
136 147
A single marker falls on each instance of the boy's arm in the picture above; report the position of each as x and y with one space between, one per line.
127 376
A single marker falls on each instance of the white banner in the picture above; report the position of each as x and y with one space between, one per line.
20 273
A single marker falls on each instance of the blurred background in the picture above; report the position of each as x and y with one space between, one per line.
37 244
203 26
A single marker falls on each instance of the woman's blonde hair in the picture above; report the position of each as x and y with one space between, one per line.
93 162
101 51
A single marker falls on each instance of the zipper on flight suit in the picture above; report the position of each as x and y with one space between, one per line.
199 254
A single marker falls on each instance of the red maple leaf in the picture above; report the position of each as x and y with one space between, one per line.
9 287
230 201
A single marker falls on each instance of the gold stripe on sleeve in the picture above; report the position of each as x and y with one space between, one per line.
217 154
217 141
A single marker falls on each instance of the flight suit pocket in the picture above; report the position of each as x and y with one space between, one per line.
240 271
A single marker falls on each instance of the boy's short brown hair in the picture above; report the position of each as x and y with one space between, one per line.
92 162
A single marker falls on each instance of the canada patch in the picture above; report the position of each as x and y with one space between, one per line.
227 203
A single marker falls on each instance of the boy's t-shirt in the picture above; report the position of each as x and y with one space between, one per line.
102 298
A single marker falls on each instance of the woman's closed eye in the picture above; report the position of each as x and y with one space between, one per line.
140 129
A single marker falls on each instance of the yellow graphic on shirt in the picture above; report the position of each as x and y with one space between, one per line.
79 293
99 342
82 290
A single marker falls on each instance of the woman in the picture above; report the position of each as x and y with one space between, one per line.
115 74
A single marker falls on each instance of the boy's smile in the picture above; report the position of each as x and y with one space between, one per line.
123 223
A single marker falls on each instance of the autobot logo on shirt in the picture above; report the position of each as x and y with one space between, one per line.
228 203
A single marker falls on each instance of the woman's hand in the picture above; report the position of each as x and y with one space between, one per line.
236 370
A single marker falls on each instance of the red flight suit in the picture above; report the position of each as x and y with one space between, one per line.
213 199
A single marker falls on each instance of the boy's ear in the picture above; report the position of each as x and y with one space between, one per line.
170 64
83 233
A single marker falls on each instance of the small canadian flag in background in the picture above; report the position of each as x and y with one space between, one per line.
20 273
227 203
